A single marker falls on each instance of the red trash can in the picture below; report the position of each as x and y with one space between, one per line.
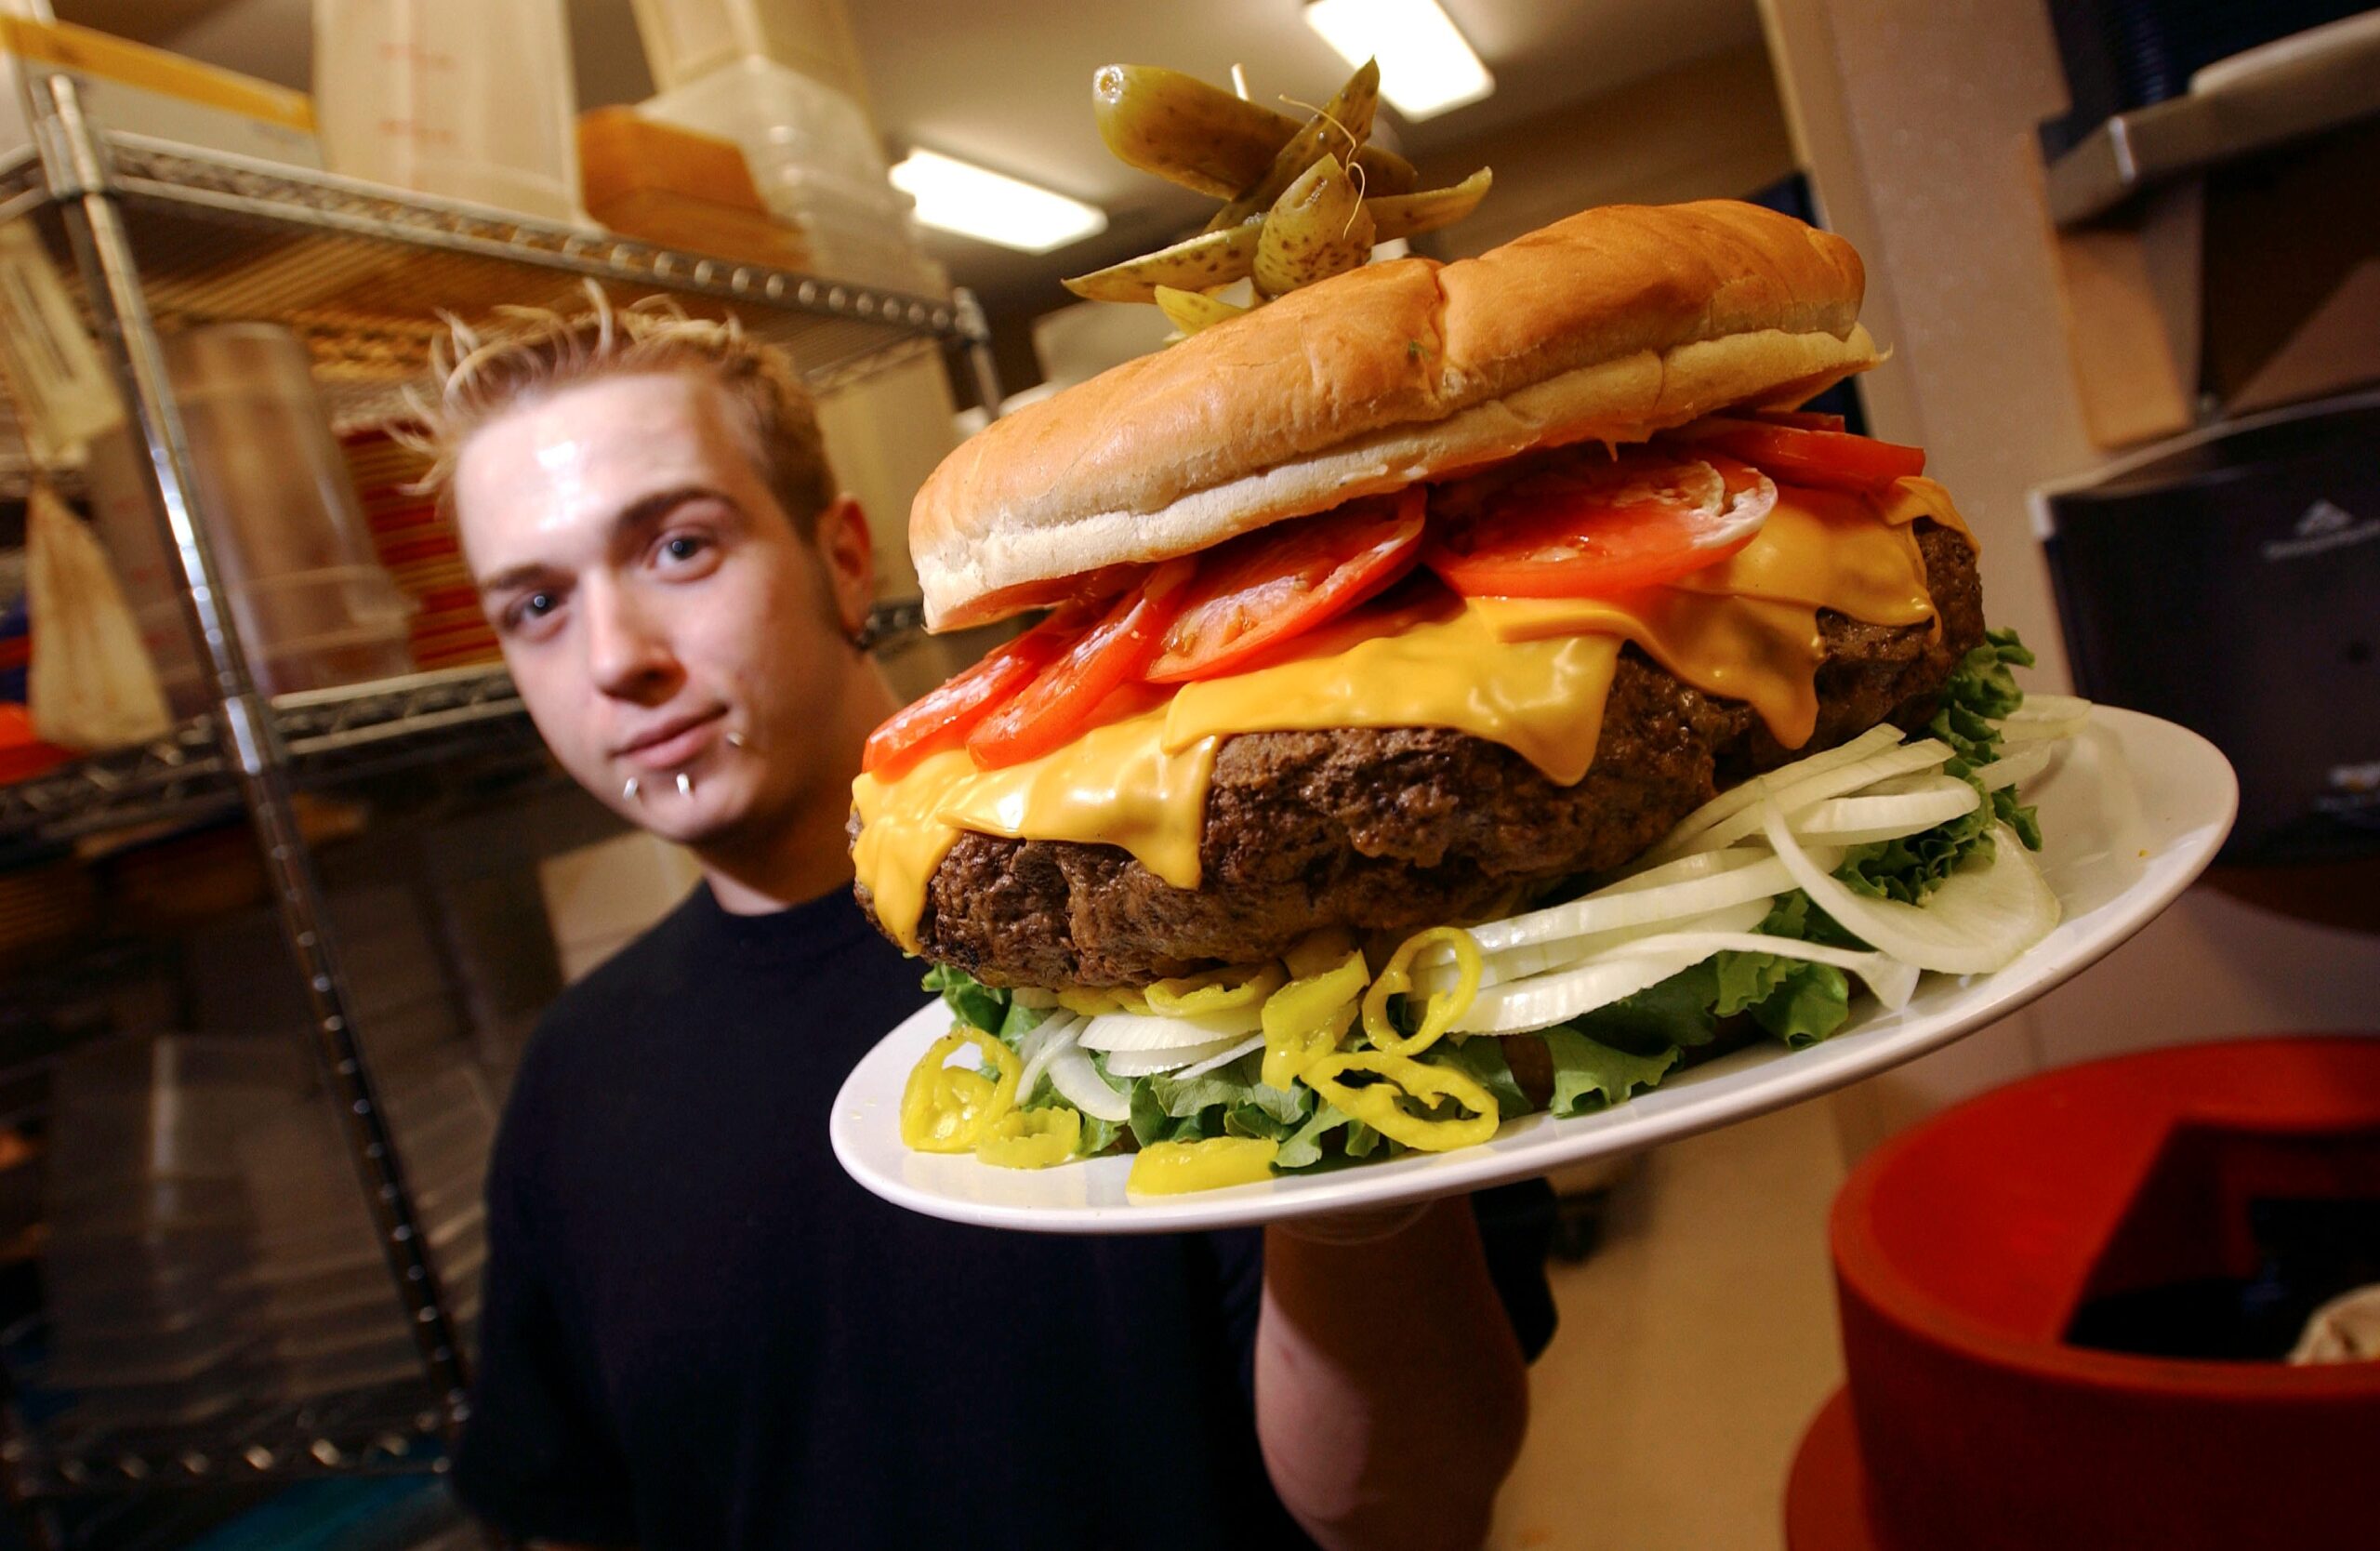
1976 1254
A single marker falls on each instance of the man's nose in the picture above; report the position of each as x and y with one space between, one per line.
628 654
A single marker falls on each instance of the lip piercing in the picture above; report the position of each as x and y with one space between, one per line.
685 785
735 740
628 793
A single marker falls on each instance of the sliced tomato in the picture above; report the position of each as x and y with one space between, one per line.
1261 590
1104 582
942 717
1832 459
1597 527
1803 419
1047 712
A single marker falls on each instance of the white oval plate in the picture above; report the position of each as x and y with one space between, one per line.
2130 812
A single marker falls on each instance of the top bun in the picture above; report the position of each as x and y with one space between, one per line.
1612 324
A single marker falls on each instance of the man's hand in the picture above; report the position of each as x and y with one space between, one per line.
1390 1395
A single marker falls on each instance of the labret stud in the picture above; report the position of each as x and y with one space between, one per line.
685 785
628 793
735 740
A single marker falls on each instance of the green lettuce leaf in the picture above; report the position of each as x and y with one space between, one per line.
1186 1095
1589 1074
1671 1012
1481 1059
1793 999
1914 866
1229 1086
978 1005
1252 1120
1150 1123
1302 1149
1981 689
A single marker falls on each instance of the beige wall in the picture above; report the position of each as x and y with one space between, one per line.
1916 119
1712 129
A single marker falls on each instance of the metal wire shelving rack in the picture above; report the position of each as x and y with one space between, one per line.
162 236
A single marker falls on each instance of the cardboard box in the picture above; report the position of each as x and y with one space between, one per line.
141 90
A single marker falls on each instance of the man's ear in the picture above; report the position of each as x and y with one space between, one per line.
849 552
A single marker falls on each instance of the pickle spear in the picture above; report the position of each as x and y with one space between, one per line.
1316 229
1194 264
1190 312
1409 215
1201 137
1342 126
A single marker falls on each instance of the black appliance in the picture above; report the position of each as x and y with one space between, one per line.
2230 581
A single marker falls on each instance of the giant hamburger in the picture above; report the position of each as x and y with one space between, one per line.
1415 600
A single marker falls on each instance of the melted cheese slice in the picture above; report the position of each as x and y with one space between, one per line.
1827 549
1764 653
1528 673
1919 496
1447 667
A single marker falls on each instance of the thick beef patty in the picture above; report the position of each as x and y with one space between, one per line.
1408 826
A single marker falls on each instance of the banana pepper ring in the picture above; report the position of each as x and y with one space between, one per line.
1378 1104
1305 1019
1192 996
949 1108
1396 979
1173 1168
1031 1138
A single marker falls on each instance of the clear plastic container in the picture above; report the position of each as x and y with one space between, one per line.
313 607
469 99
816 162
687 39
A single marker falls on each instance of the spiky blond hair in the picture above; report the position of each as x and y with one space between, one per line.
479 372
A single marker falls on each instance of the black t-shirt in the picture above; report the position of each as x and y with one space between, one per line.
698 1331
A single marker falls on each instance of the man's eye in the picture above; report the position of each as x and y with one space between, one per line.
530 608
682 545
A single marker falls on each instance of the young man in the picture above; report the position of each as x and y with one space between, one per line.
697 1330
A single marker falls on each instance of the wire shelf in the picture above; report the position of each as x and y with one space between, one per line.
331 735
453 715
390 1430
362 271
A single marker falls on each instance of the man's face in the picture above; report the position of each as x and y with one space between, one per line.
659 613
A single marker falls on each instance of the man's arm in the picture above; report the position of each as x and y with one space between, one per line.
1391 1392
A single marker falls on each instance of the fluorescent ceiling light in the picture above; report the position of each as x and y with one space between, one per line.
1425 66
993 208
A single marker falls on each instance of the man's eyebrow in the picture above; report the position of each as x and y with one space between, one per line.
631 522
648 511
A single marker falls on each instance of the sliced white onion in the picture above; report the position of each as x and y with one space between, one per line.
1142 1063
1200 1068
1542 1000
1707 881
2022 765
1527 958
1978 919
1702 864
2045 717
1736 799
1040 1043
1891 980
1793 797
1114 1031
1079 1082
1909 808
